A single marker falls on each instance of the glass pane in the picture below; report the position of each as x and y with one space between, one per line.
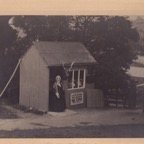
70 80
81 80
75 79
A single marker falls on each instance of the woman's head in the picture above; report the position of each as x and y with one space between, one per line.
58 78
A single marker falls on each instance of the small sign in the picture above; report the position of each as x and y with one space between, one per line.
77 98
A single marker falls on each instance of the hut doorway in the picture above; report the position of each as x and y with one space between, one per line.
56 103
55 71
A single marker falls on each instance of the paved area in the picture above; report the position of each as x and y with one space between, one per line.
71 118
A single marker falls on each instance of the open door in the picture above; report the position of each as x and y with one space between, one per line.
54 71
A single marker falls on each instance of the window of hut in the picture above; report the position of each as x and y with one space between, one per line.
76 79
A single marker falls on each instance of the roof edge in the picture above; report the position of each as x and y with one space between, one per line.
75 64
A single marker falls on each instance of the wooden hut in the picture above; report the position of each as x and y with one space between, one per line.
42 62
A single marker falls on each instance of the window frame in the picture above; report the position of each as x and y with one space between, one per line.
84 77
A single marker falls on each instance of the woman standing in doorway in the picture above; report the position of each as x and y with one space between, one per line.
57 102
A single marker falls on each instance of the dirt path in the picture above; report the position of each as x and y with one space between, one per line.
109 131
71 118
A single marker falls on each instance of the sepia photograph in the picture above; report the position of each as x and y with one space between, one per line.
71 72
75 76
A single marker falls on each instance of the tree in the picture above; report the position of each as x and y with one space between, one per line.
111 40
7 60
108 38
113 50
7 34
43 28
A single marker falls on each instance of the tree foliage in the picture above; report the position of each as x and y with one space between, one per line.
7 34
108 38
113 51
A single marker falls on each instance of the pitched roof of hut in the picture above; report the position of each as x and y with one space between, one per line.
57 53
